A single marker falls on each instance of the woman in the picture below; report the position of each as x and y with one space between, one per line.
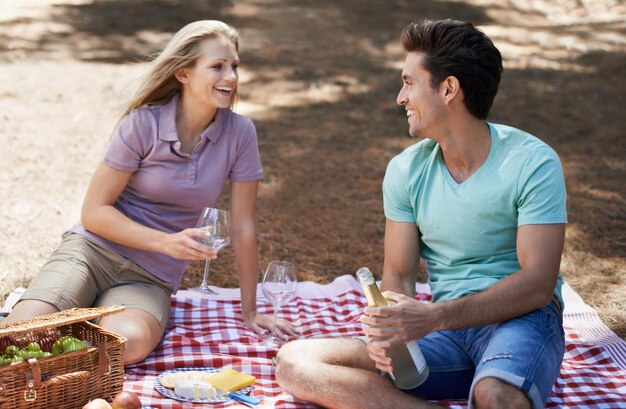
175 146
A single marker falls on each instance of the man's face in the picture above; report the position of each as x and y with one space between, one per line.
424 105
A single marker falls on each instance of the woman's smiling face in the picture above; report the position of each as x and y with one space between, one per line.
212 81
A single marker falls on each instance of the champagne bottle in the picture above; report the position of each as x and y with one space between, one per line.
409 366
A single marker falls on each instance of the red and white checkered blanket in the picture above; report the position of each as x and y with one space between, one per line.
206 331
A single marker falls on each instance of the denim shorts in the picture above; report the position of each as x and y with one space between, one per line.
82 273
525 352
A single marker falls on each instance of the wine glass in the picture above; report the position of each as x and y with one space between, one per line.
215 223
279 287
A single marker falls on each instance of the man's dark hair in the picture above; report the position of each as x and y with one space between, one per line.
456 48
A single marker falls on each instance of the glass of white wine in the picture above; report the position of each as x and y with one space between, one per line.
215 223
279 287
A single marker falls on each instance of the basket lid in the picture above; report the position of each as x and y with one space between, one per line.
56 319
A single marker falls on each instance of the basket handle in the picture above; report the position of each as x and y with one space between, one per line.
104 365
68 377
30 393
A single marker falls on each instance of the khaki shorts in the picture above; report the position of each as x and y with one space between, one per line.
81 273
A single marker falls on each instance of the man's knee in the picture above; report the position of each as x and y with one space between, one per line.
492 393
289 358
286 353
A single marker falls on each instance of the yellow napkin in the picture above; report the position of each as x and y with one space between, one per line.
230 380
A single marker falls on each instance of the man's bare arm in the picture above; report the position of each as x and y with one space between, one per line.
539 249
402 253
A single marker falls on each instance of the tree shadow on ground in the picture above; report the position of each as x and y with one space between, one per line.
584 123
329 72
117 31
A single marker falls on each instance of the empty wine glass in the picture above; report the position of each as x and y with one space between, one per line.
279 287
215 223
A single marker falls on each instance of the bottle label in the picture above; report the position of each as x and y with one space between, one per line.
416 354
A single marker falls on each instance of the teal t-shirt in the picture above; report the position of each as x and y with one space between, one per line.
468 231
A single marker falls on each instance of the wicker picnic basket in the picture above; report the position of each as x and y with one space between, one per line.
68 380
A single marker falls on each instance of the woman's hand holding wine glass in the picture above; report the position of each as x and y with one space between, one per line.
216 226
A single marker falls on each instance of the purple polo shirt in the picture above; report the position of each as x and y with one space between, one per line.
169 188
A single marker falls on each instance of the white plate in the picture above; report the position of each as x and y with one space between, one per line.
170 392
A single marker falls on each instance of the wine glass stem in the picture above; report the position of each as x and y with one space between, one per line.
273 334
205 277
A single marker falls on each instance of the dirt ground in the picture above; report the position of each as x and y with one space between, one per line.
319 78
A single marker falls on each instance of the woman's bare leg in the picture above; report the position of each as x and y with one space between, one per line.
141 329
28 309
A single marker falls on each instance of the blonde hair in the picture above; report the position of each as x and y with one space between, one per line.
159 84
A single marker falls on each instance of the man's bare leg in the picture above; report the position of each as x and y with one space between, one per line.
492 393
337 373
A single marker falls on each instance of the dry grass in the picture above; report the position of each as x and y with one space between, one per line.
320 79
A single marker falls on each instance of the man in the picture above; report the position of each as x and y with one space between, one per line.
484 205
